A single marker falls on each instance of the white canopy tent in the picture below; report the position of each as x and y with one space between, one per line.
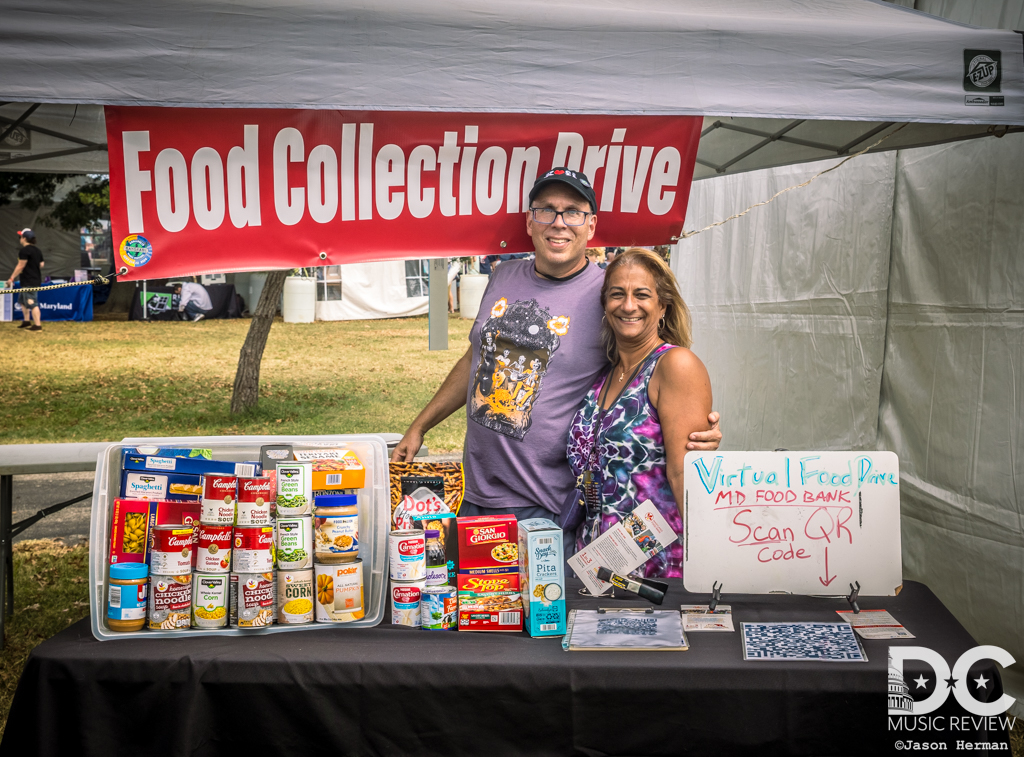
821 325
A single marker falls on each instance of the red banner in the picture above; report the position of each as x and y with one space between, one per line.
195 190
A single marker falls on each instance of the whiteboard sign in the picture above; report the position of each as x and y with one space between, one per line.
798 522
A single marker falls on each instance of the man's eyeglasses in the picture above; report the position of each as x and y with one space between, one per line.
571 217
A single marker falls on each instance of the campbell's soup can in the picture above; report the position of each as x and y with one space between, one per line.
171 554
210 600
253 507
439 608
405 603
219 493
251 599
294 542
294 597
253 551
170 602
407 551
214 552
339 592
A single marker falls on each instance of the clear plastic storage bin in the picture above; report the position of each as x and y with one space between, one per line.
374 519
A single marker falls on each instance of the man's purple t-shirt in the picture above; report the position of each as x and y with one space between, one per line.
536 352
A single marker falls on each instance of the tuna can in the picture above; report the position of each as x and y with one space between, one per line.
405 603
294 597
172 550
210 600
253 552
339 592
214 553
219 494
170 602
407 555
251 599
295 542
439 607
253 507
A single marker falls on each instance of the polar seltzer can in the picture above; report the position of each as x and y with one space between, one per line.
294 542
214 552
253 552
407 555
294 597
253 508
210 600
219 493
405 603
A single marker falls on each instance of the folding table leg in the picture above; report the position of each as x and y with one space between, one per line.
6 556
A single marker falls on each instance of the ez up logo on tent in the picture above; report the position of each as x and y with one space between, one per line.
982 70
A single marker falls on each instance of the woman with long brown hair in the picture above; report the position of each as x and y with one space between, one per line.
632 429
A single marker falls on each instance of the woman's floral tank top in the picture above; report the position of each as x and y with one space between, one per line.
628 462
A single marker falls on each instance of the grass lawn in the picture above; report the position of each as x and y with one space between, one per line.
105 380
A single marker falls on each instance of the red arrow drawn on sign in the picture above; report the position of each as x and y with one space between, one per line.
830 580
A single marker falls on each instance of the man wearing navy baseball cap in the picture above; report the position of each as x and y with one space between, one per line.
30 271
535 351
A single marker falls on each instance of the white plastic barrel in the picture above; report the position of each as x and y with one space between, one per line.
471 290
299 300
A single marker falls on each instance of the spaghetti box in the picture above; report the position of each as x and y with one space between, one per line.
334 468
189 465
490 602
542 577
444 523
186 487
487 544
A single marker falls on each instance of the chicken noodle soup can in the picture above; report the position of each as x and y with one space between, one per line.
170 602
407 555
210 600
439 608
253 552
251 600
214 552
294 542
339 592
405 603
219 493
253 507
294 597
171 554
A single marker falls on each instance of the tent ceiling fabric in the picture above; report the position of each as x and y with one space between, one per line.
797 59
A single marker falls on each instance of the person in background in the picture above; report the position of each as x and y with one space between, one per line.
194 301
544 315
609 255
30 271
631 432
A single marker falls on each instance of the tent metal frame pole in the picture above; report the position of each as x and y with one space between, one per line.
19 121
437 305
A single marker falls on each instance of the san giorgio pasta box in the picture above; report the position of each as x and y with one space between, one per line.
487 544
542 577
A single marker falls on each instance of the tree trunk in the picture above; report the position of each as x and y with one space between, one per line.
247 378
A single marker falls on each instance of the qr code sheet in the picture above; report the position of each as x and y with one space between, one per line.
823 642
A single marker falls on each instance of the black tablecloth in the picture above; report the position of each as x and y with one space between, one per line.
162 303
397 690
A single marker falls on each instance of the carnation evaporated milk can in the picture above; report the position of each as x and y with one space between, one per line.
219 493
214 552
253 507
294 597
405 603
407 555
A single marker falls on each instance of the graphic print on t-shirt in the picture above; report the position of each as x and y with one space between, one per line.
517 343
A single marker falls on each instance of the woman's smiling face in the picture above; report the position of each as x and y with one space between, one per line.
632 307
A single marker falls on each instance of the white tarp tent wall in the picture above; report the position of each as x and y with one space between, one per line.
883 306
386 289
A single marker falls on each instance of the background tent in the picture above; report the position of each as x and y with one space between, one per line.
880 306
